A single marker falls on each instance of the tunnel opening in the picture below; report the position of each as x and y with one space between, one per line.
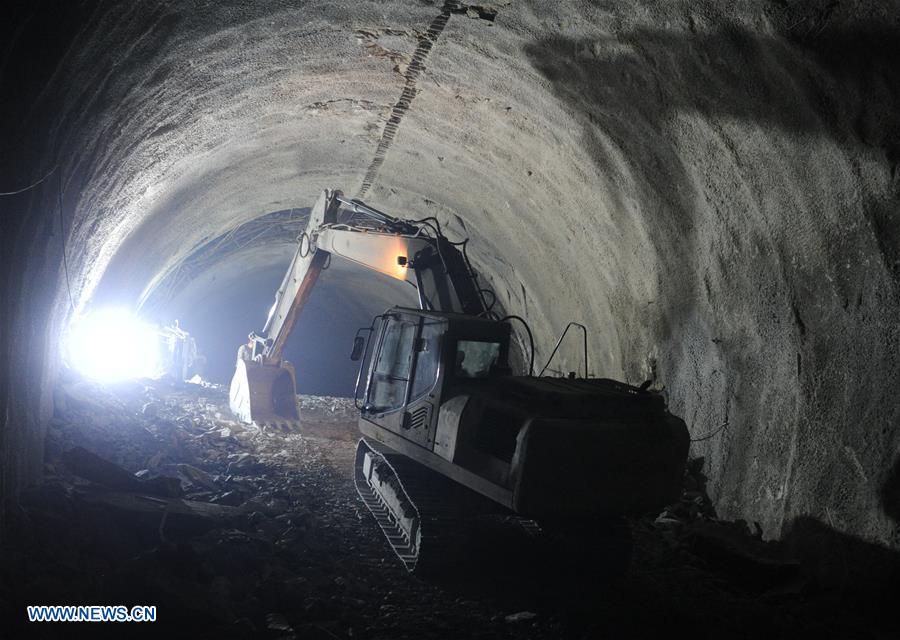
224 289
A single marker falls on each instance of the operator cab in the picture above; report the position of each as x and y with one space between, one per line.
413 361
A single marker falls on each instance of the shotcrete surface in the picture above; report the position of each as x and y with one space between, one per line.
711 188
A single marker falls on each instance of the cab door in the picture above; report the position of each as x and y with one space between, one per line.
403 391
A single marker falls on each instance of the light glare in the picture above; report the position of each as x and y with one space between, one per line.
113 345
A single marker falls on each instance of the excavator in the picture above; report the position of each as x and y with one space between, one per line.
448 429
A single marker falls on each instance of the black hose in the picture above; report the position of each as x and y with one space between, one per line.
530 340
32 185
710 434
474 276
493 299
300 239
433 225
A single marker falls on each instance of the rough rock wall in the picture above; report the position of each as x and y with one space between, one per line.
712 188
32 295
759 157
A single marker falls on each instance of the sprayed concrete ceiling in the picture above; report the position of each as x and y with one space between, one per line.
711 188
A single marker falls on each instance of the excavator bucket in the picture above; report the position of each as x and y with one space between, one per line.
264 393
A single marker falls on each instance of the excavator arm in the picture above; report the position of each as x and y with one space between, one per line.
297 285
263 388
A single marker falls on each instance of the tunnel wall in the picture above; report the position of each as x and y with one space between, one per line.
33 297
712 189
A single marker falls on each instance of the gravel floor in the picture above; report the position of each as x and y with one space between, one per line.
270 540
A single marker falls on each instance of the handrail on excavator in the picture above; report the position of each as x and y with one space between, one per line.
559 342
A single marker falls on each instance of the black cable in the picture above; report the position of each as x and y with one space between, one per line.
300 243
711 433
530 340
474 275
430 219
31 186
62 226
433 225
493 299
62 230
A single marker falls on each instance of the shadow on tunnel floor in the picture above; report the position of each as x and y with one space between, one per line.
838 563
890 493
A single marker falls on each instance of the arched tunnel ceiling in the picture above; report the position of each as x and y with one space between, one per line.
259 109
711 188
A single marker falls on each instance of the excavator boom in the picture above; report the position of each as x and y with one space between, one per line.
263 387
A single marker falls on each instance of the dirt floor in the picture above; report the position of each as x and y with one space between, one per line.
154 495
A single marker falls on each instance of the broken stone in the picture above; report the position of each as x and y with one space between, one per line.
198 477
268 530
163 486
155 459
240 462
173 518
290 537
295 518
521 616
667 521
277 622
276 506
251 519
150 409
90 466
230 498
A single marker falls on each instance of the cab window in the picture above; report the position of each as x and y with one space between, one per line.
409 357
475 359
393 365
428 356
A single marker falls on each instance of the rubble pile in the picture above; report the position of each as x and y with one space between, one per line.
154 494
733 548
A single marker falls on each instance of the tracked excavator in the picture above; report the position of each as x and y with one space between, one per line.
449 431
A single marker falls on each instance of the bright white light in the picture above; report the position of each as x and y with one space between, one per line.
113 345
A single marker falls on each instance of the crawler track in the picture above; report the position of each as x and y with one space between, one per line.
429 521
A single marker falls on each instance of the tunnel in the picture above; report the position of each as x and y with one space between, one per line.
711 189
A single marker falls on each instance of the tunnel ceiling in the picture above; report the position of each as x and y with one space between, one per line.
711 187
